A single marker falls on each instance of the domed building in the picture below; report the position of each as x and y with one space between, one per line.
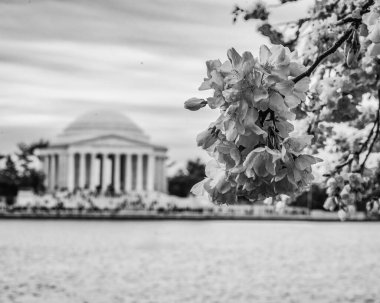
102 150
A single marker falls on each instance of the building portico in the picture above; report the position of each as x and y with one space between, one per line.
101 152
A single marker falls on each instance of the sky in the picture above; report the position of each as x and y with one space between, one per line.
62 58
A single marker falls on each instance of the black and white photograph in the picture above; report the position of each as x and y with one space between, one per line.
200 151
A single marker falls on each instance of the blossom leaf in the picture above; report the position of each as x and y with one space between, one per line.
374 49
260 93
212 65
284 128
270 166
280 175
285 87
374 35
205 85
265 54
258 130
251 117
259 164
215 102
238 169
292 101
297 175
234 57
302 85
297 144
274 153
226 67
304 161
205 139
248 162
276 102
198 188
235 155
296 69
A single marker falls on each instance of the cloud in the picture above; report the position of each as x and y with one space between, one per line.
59 59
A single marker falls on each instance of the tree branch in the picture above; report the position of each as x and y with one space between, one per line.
337 44
324 55
366 7
363 10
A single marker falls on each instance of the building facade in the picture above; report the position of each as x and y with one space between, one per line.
102 150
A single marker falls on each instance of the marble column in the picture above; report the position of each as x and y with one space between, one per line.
151 172
82 170
52 173
128 172
139 173
57 172
48 175
116 166
163 176
159 174
101 172
45 169
70 172
156 174
106 172
94 173
62 167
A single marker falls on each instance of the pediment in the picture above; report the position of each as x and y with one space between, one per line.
111 141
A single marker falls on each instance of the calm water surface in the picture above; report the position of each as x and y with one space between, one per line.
225 261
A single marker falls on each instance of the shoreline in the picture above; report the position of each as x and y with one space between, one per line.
153 216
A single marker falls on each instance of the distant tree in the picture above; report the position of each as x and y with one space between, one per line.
34 180
27 151
10 171
181 184
314 198
30 177
9 181
196 169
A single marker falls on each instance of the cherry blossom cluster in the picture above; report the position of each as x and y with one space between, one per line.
254 154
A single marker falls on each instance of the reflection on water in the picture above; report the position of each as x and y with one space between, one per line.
226 261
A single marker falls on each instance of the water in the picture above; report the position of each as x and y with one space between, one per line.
211 261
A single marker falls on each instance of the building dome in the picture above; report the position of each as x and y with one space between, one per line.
98 123
109 121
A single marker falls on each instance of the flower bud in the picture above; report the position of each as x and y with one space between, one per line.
350 58
194 104
352 49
